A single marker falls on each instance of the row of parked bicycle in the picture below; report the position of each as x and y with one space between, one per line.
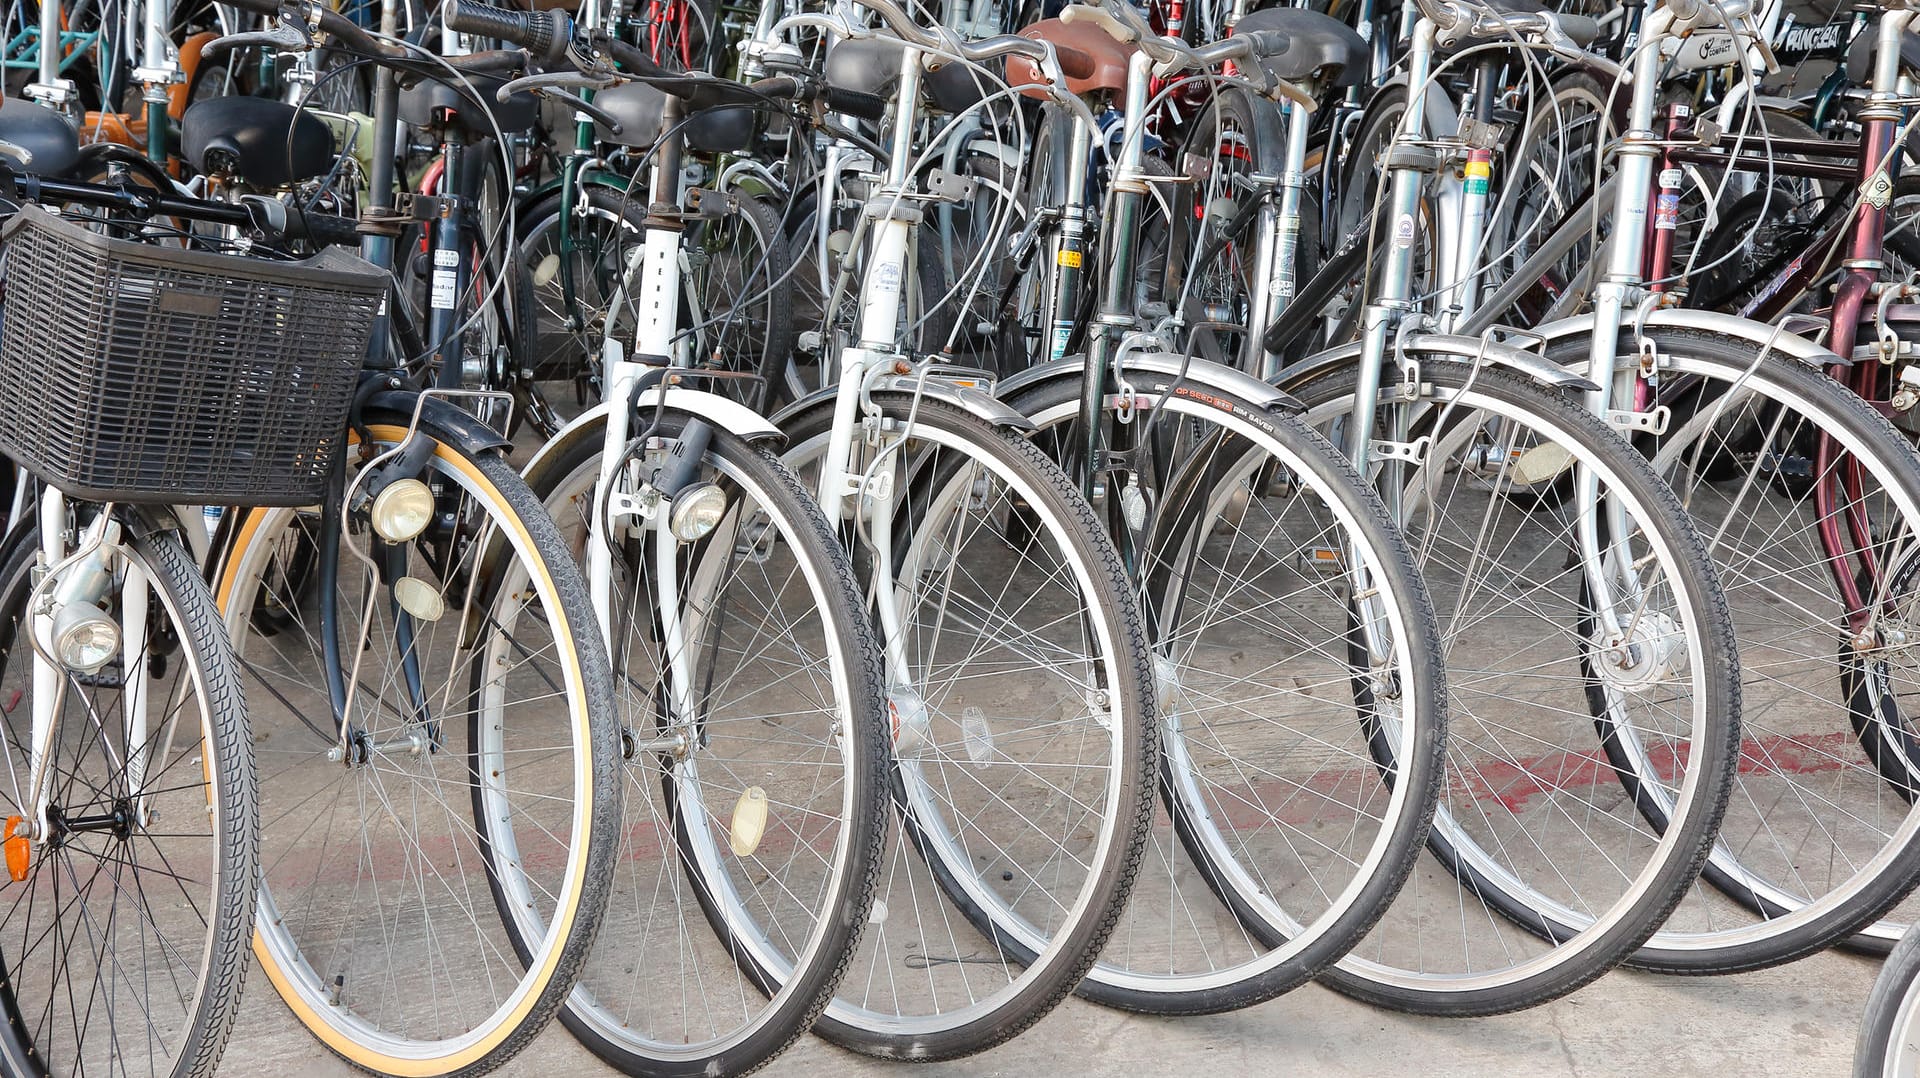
872 518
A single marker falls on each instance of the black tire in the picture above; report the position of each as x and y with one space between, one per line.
186 641
561 351
762 343
611 1013
1889 1017
1400 966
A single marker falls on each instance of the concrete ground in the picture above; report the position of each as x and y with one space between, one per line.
1797 1020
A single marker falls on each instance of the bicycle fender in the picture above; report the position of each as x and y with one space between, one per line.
1167 365
473 435
1450 348
1759 334
980 404
723 412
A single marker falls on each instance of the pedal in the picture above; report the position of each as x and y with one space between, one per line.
1323 560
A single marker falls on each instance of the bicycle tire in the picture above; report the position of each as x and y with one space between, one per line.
1889 1040
1364 827
613 1011
1813 859
949 1010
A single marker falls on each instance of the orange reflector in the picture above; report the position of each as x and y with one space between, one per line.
19 848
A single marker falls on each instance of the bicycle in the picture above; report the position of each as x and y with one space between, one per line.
1296 787
420 646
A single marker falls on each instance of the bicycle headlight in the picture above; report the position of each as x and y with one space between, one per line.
84 637
696 511
402 510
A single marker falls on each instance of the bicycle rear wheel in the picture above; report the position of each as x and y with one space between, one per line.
472 685
1555 621
124 937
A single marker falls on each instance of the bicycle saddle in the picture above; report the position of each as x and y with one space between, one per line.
638 107
871 65
44 134
262 142
1109 57
425 103
1318 46
1861 54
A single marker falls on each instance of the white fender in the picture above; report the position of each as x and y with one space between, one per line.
724 412
1759 334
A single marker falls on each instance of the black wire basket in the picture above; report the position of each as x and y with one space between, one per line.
131 372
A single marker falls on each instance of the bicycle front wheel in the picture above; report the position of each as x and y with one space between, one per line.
1889 1043
1303 705
1024 741
409 690
755 777
1575 604
124 934
1803 495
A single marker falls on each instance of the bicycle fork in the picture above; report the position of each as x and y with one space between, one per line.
73 636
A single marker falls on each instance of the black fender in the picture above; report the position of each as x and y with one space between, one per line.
449 419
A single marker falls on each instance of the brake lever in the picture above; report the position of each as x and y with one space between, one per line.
555 80
580 104
1750 28
294 29
832 24
282 38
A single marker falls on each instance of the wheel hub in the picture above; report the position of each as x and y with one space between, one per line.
1645 656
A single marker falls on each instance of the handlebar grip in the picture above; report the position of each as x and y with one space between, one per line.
545 34
1074 63
1262 43
1583 30
1099 16
854 103
324 229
